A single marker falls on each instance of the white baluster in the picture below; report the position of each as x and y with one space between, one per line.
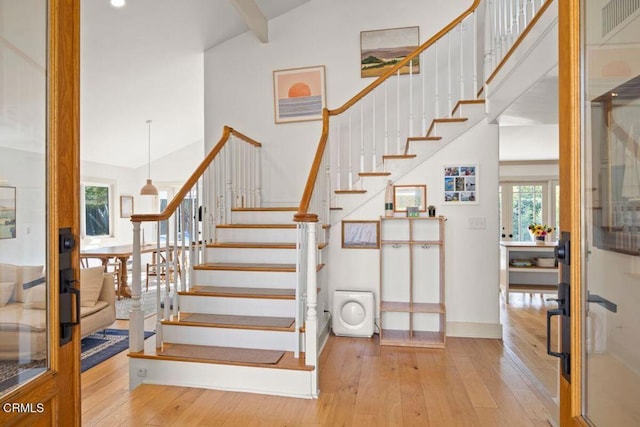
422 64
338 156
474 38
460 28
436 96
410 131
398 144
350 183
386 117
373 132
158 288
259 176
361 139
229 182
449 79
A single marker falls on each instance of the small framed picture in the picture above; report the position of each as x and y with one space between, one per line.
126 206
361 234
405 196
299 94
460 183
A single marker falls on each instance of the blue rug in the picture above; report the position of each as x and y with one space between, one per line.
98 347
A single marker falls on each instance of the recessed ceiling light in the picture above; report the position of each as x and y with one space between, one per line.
117 3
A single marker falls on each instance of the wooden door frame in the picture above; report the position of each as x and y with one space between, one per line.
570 122
58 390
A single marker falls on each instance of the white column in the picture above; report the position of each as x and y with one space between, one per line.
136 315
373 132
311 322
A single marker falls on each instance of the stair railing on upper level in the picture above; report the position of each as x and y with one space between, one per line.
228 177
506 22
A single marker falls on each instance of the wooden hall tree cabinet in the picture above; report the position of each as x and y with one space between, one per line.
412 307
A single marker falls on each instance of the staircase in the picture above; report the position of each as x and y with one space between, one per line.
249 312
237 328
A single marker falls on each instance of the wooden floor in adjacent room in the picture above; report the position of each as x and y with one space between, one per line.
473 382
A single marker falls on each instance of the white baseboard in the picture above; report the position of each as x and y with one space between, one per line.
474 330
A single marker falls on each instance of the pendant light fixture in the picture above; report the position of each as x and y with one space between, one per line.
149 189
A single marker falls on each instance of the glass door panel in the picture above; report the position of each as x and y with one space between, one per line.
611 209
24 328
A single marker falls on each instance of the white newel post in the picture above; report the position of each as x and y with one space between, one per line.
136 315
311 322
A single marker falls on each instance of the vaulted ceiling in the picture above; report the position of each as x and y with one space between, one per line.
144 61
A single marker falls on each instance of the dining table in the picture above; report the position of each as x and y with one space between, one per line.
122 253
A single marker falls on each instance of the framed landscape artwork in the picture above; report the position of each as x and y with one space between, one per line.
299 94
7 212
460 183
382 49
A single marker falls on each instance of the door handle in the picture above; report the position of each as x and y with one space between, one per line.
563 356
609 305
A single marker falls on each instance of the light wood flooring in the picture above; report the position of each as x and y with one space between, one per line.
472 382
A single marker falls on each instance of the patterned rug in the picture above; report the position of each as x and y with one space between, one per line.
98 347
95 348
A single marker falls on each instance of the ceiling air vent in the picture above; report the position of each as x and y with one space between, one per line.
617 11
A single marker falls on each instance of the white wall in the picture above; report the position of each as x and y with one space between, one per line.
472 256
239 79
25 171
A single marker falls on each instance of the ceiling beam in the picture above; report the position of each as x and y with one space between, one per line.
253 17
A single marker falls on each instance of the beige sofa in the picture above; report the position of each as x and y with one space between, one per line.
23 315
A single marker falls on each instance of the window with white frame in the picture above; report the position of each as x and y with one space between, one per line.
526 202
96 200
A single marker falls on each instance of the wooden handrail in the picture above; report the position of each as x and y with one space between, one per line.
302 215
193 179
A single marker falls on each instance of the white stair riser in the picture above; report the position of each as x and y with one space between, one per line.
248 379
424 147
252 255
229 337
254 279
262 217
271 235
237 306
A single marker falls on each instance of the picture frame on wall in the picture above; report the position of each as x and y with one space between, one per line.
299 94
460 183
405 196
126 206
7 212
380 50
360 234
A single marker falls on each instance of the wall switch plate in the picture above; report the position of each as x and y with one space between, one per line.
477 223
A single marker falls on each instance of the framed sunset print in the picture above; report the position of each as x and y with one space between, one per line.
299 94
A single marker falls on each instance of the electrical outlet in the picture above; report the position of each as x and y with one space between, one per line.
142 372
478 223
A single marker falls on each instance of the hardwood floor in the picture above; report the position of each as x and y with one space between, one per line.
473 382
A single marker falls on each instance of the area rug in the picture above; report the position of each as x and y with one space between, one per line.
98 347
224 354
95 348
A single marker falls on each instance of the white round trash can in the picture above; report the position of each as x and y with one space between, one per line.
353 313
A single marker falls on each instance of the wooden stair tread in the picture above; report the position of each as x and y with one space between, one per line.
257 245
186 353
232 321
267 209
451 120
335 208
374 173
240 266
350 191
237 292
398 156
256 226
424 138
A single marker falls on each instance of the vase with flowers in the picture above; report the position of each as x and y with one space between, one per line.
539 232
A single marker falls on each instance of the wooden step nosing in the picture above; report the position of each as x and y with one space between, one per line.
367 174
184 323
267 209
155 356
258 226
350 191
256 245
